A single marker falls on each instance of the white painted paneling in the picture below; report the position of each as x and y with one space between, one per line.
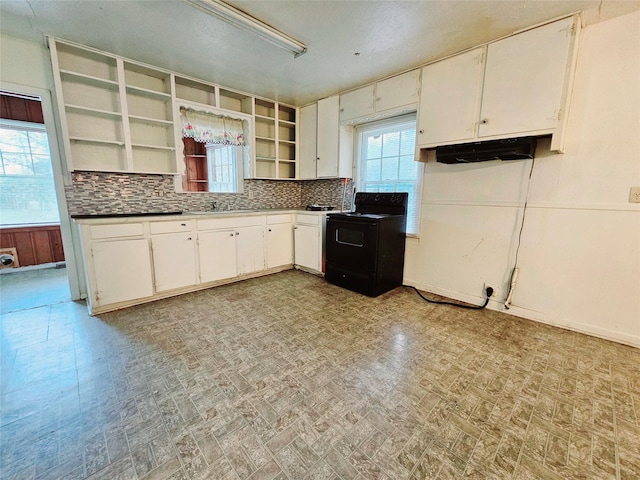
580 254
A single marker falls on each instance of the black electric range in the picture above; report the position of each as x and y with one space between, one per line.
365 248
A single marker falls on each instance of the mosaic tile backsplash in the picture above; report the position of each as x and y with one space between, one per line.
98 193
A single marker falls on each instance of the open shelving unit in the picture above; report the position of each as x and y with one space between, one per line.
119 115
275 135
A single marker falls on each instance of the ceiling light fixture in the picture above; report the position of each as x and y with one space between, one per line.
238 18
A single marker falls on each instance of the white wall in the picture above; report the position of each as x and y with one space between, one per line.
580 253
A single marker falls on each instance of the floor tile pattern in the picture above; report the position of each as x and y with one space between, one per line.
288 377
33 287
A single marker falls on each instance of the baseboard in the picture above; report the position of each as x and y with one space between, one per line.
540 317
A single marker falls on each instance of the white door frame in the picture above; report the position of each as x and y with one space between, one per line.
61 178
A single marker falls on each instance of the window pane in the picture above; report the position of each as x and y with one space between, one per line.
390 168
17 164
374 146
39 143
373 170
407 142
42 165
408 168
13 140
386 187
391 144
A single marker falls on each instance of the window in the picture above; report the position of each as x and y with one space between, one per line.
386 152
27 190
222 167
214 151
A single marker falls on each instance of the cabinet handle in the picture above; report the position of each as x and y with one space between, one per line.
269 229
237 233
231 234
189 238
183 224
422 131
484 121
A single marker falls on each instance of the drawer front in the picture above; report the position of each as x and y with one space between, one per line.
234 222
308 219
99 232
170 227
275 219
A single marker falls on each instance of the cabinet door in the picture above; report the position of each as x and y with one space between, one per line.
122 270
250 249
308 247
174 261
308 142
398 91
450 99
358 103
328 127
279 245
524 80
217 254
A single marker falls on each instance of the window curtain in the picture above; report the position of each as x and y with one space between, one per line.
208 128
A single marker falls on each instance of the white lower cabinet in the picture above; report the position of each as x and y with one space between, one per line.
174 261
250 249
308 234
230 253
217 252
279 245
130 263
121 271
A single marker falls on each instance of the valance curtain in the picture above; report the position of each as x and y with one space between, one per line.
208 128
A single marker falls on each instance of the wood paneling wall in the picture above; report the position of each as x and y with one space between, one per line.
35 244
21 108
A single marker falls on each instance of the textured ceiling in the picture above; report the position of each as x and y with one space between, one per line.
390 36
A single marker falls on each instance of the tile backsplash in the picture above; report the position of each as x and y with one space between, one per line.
95 193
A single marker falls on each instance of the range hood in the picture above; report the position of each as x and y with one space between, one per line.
520 148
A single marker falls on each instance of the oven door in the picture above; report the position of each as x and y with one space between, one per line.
352 244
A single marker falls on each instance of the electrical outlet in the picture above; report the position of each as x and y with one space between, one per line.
160 193
250 194
490 285
634 195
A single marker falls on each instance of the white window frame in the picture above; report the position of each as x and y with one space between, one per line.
382 125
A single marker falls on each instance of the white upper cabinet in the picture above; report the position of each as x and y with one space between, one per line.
308 142
450 98
399 91
517 86
524 80
328 137
357 103
387 95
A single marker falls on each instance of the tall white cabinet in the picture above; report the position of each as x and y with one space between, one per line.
326 149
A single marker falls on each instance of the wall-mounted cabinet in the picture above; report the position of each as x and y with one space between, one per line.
122 116
393 95
516 86
326 147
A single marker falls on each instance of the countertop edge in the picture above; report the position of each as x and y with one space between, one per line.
196 216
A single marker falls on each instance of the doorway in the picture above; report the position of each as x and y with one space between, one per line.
37 258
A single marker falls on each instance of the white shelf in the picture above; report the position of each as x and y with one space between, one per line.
96 140
152 147
92 111
152 121
145 92
89 79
